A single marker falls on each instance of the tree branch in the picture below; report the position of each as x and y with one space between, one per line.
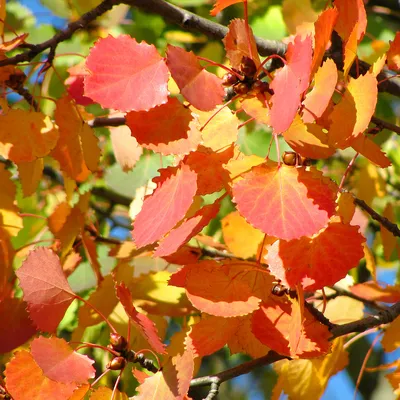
390 226
385 125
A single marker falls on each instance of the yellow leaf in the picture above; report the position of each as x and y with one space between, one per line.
79 394
104 393
10 221
344 309
30 174
350 50
345 207
369 184
237 166
296 13
26 135
391 338
370 261
240 237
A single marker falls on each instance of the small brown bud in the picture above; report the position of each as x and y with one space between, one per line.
260 86
229 79
241 88
118 342
117 363
290 158
248 67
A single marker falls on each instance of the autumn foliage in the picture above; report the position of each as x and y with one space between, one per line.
248 249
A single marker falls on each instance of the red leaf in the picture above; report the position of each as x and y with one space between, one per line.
319 261
26 381
165 128
276 325
222 4
16 327
285 202
184 232
323 32
393 54
350 14
374 292
318 99
166 206
75 84
59 362
126 75
289 83
203 338
145 326
201 88
170 383
45 287
211 176
236 44
230 289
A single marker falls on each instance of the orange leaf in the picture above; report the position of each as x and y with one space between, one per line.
165 128
184 232
390 341
26 380
202 335
256 107
30 174
352 115
211 176
16 328
201 88
369 149
374 292
275 326
289 83
240 237
172 382
350 50
309 140
236 44
45 287
309 261
126 75
350 14
222 4
389 241
346 207
167 205
285 202
26 135
105 393
236 289
145 326
393 54
59 362
323 32
318 99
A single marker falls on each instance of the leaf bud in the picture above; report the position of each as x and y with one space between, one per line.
278 290
248 67
117 363
260 86
118 342
241 88
290 158
229 79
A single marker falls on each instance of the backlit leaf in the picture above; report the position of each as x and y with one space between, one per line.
26 135
389 241
59 362
236 289
352 115
298 14
105 393
240 237
184 232
290 82
369 149
201 88
45 287
126 75
346 207
256 107
30 174
374 292
285 202
350 14
141 321
273 325
390 340
26 380
350 50
393 54
309 140
165 128
310 261
236 44
221 4
318 99
166 206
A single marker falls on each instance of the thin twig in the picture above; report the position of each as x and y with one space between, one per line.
386 125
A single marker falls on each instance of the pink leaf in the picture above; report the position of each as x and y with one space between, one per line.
126 75
45 287
145 326
201 88
166 206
